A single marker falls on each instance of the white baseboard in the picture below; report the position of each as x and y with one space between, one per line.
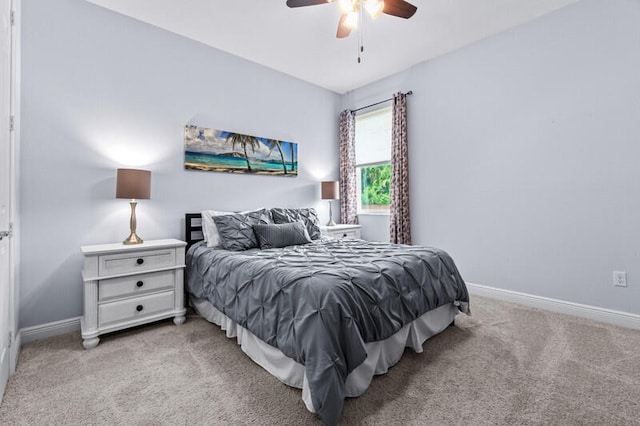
42 331
4 372
623 319
15 353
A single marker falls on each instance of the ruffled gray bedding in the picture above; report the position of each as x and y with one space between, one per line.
319 303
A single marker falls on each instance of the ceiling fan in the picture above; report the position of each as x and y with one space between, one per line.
351 10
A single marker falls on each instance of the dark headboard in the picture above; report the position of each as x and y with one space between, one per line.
193 228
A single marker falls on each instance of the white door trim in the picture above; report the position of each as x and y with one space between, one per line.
14 110
16 6
6 247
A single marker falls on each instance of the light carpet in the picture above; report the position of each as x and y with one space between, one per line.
505 365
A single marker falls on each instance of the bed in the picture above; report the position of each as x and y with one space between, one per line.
326 315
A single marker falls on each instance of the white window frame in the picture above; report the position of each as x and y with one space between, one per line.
362 211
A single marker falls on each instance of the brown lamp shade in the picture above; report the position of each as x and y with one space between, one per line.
133 184
330 190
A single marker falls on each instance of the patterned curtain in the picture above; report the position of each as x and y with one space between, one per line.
400 221
348 196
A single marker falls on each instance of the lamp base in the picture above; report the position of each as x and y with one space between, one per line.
331 222
133 239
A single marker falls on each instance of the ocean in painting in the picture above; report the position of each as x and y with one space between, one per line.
234 162
221 151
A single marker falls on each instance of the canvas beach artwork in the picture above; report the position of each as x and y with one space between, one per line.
221 151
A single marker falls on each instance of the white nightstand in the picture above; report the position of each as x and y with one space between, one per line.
341 231
129 285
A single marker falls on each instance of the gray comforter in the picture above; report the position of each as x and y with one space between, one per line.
320 302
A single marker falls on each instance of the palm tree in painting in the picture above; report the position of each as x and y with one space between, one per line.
273 144
244 140
292 157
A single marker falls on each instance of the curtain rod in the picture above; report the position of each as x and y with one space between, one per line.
410 92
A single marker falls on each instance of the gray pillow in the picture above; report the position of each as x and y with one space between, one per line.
281 235
308 216
236 230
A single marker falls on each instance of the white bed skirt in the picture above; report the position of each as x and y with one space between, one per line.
381 355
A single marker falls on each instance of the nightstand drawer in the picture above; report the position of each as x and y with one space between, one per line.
116 288
351 233
341 231
137 307
135 262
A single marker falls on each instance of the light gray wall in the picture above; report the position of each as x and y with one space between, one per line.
524 154
102 91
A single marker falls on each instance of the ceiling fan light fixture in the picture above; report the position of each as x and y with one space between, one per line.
347 6
351 21
374 8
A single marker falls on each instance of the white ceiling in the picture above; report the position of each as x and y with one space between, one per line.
301 42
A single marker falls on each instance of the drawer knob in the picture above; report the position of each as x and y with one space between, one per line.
344 235
140 261
139 283
139 308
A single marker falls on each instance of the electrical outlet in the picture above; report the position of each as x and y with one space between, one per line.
620 278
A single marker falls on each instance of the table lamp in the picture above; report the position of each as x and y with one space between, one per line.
135 185
330 191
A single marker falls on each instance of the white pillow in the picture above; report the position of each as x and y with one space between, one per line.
209 230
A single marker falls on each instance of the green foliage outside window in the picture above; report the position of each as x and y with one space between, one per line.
376 185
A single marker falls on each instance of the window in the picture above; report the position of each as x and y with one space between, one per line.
373 160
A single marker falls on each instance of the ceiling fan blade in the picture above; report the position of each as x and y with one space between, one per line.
343 30
300 3
399 8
